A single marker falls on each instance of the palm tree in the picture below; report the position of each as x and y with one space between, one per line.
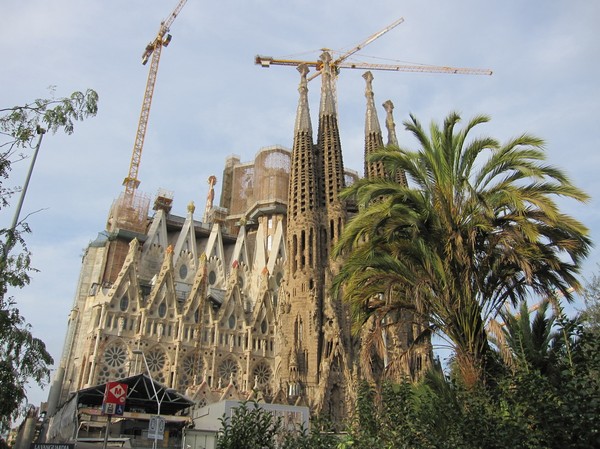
526 342
480 228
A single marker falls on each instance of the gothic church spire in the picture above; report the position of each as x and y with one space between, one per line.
392 139
373 136
330 152
303 190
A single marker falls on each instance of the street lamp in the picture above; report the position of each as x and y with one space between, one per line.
158 402
10 241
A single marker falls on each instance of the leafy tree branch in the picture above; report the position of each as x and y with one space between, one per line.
23 357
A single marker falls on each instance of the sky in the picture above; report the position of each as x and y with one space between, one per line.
211 101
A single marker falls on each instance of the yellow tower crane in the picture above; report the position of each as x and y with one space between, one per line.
341 63
130 212
153 49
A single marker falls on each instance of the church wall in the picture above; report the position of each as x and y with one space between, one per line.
152 306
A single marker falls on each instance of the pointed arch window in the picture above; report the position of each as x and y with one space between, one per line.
298 330
264 326
183 271
124 303
212 277
162 309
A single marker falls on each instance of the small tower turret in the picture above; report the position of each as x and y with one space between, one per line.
373 136
392 139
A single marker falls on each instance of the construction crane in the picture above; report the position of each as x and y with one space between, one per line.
266 61
341 63
153 49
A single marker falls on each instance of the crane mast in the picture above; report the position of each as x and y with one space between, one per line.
153 50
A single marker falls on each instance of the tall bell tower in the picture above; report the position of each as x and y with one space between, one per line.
314 366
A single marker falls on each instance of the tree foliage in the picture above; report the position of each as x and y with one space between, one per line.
23 357
524 342
20 124
525 408
591 295
249 426
481 227
252 427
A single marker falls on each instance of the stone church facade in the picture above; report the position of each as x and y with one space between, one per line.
237 303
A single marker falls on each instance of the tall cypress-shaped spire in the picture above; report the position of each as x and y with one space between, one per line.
301 298
303 123
330 152
328 106
373 135
303 192
389 123
392 139
335 360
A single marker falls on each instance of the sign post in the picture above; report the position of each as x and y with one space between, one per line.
114 398
115 394
156 428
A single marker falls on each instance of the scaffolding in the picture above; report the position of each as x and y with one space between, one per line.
263 181
130 213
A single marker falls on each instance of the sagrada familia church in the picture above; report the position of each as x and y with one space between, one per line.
238 301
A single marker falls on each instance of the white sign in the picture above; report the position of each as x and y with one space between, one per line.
156 428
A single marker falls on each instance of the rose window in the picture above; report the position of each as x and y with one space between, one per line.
103 375
156 361
228 371
184 380
115 356
262 374
190 367
191 371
